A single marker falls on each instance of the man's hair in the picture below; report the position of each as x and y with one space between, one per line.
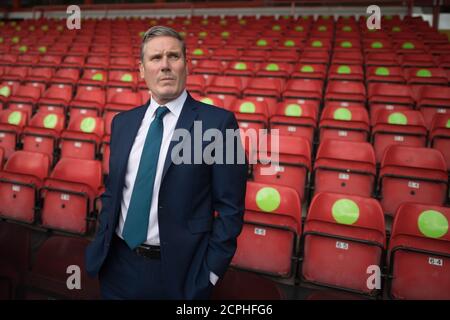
161 31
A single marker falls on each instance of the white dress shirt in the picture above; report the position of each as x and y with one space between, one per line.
169 122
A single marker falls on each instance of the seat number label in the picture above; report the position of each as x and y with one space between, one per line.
344 176
260 231
435 261
342 245
65 196
414 185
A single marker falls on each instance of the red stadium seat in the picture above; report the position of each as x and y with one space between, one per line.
344 123
432 76
309 71
69 195
56 98
346 72
42 133
432 100
89 101
11 124
440 136
345 167
386 74
272 224
122 79
345 91
411 174
419 250
82 138
20 181
344 235
295 118
303 89
227 85
405 128
292 164
94 77
25 99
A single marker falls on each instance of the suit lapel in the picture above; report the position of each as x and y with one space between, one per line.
185 121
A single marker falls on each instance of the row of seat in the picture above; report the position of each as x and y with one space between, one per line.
343 237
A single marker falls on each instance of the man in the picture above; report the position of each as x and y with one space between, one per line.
159 236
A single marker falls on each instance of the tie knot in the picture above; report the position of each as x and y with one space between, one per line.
161 112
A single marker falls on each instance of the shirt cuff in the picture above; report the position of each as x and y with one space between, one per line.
213 278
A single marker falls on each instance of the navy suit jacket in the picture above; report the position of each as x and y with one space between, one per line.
193 241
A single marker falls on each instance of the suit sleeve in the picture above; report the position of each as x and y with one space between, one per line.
106 197
228 189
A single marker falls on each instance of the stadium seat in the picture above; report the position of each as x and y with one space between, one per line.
418 255
345 91
344 123
272 225
25 99
11 124
344 235
432 76
309 71
51 270
82 138
346 72
440 136
345 167
69 195
56 98
94 77
241 68
303 89
284 160
20 180
432 100
89 101
42 133
405 128
68 76
412 174
226 85
295 118
385 74
122 79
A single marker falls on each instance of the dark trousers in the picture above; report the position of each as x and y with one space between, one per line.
125 275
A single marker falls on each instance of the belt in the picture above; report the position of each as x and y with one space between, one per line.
144 250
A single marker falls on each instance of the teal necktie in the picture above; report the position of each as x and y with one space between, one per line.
136 224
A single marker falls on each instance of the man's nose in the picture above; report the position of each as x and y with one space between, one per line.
165 65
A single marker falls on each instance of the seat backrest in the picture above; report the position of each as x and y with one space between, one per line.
400 118
90 94
346 150
27 91
89 124
423 221
351 113
251 106
59 91
414 157
286 145
389 90
349 210
80 171
14 117
273 199
48 120
307 109
30 163
441 121
126 98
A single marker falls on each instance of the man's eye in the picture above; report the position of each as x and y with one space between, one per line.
174 56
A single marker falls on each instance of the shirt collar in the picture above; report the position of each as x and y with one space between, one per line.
174 106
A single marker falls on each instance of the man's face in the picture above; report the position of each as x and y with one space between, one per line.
164 68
